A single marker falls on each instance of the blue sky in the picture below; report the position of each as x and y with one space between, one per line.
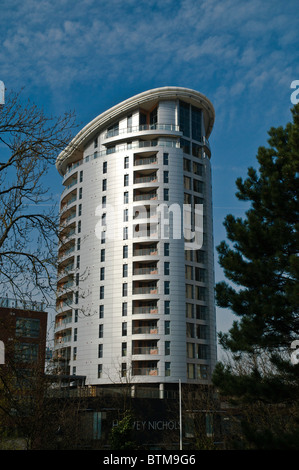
89 55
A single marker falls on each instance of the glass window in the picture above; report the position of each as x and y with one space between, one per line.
166 268
125 270
167 327
126 197
102 274
166 194
27 327
100 370
100 351
165 158
101 330
184 118
124 349
165 177
104 167
166 287
125 251
166 307
104 185
101 311
196 123
101 292
126 180
125 289
167 348
124 329
103 254
167 369
124 309
166 249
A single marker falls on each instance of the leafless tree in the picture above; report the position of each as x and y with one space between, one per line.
29 144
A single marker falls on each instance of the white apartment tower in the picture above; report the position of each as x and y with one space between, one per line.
135 299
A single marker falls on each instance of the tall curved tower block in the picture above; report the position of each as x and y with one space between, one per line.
135 286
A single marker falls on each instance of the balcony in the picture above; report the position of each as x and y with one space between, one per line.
145 288
145 350
145 368
143 268
138 160
144 307
145 249
143 327
145 196
143 127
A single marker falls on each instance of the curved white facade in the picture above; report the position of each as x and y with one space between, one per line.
133 303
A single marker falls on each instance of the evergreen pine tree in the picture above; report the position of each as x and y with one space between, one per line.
261 264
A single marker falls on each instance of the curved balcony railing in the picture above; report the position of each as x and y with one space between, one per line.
142 127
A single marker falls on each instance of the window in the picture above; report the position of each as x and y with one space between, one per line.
126 197
166 249
166 287
189 310
103 254
124 309
123 349
101 311
191 350
76 297
78 262
76 315
187 182
190 330
78 243
101 330
126 215
100 351
189 291
101 292
103 237
104 167
79 226
80 210
123 369
197 186
166 268
124 328
184 118
166 194
74 354
125 233
125 251
125 289
27 327
197 168
165 158
201 312
77 279
104 185
200 274
188 272
125 270
95 143
200 293
100 370
126 162
102 274
75 334
81 177
167 369
104 202
126 180
165 177
167 348
166 307
196 123
80 193
104 219
187 165
167 327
